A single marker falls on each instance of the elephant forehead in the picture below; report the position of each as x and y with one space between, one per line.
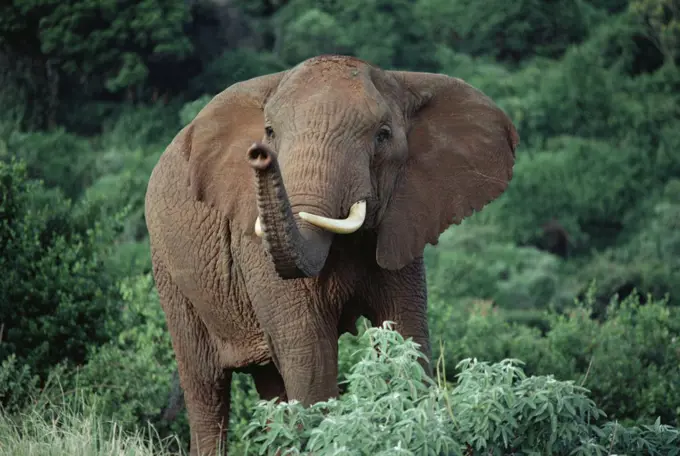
333 67
332 95
328 78
315 89
317 113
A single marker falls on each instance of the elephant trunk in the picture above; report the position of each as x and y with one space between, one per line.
296 251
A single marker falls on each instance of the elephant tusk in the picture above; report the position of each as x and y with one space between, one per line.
258 227
356 218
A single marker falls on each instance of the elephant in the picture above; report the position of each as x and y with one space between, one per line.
295 203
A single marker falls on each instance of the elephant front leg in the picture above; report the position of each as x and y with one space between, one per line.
206 385
303 341
310 369
401 297
208 404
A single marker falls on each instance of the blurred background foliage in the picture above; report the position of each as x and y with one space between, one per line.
93 90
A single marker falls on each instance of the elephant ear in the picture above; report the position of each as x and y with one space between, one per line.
219 137
461 150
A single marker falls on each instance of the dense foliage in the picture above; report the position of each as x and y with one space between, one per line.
391 407
575 270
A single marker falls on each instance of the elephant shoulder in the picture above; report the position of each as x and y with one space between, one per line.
205 164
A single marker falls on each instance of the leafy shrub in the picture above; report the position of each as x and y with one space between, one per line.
492 78
611 6
146 126
124 186
589 186
58 158
392 408
312 33
633 358
654 117
602 102
649 260
571 101
55 290
113 45
73 163
130 376
470 262
621 45
17 384
661 19
630 360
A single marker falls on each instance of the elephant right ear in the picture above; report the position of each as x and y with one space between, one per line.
218 139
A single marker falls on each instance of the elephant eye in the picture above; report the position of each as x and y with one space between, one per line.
269 131
383 134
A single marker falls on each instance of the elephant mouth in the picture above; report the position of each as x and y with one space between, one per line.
348 225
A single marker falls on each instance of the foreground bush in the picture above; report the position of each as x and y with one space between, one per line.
392 408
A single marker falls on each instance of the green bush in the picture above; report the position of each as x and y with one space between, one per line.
621 45
312 33
130 376
649 258
392 408
470 262
630 360
568 100
494 79
591 187
110 45
145 126
611 6
124 186
58 158
56 293
192 108
603 102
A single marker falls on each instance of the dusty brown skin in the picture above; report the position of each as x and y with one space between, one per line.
423 150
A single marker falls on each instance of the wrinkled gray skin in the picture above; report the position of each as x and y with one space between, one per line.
423 150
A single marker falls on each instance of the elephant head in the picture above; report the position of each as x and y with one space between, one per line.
339 146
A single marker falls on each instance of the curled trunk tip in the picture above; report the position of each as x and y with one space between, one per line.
260 156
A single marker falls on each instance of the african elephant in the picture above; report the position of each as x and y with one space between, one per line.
296 202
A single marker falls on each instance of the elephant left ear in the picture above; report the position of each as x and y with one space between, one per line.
461 151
